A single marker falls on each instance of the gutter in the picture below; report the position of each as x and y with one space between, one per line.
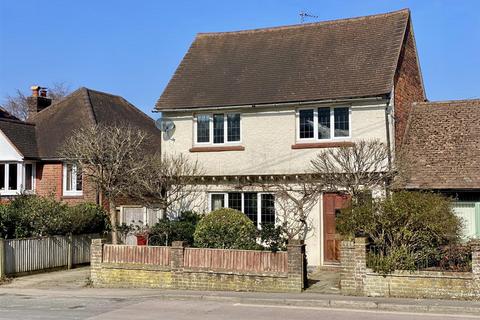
281 104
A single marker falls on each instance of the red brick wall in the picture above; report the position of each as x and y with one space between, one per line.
49 181
407 85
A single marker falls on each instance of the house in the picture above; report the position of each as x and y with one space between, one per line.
30 159
258 104
442 149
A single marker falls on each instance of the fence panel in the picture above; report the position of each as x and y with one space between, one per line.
81 248
136 254
236 260
34 254
24 255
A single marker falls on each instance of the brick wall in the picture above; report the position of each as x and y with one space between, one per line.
408 87
48 182
357 279
176 276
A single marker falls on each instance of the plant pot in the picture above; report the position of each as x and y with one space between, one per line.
141 240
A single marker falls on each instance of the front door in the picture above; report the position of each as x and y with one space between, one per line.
332 204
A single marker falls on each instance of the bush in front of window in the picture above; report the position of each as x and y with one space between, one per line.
33 216
272 237
225 229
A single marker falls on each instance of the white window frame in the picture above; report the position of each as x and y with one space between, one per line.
6 191
259 203
210 127
315 124
70 193
24 176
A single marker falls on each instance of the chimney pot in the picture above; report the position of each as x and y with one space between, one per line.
35 90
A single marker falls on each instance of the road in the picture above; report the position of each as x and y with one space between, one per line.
100 307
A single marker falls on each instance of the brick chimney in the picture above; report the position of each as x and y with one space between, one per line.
38 101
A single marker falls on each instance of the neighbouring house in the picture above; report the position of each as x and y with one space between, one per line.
30 159
442 149
259 104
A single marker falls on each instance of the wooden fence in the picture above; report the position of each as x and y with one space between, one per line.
136 254
19 256
235 260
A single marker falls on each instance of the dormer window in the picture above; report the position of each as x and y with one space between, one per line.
217 128
324 123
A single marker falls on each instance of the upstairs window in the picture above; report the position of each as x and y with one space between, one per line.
217 128
72 180
324 123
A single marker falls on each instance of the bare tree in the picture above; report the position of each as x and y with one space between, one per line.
294 202
17 104
362 166
165 180
110 157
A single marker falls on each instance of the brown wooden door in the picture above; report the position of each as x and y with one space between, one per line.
332 204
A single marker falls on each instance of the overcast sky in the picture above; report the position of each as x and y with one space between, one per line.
132 48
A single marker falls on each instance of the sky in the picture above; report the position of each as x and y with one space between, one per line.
132 48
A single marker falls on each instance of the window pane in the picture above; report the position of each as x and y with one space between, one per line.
79 180
28 176
306 124
268 209
12 176
323 123
341 118
250 206
235 201
68 180
2 176
218 128
203 128
218 201
233 127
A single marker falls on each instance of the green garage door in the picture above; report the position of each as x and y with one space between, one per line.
469 212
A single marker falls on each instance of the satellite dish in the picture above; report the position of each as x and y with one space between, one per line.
166 126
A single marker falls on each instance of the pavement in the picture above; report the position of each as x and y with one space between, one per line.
67 294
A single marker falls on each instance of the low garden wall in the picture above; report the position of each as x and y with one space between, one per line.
357 279
178 267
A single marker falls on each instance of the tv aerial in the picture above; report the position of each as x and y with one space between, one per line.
167 126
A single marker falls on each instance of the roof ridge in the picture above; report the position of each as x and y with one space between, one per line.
133 107
88 103
17 121
446 101
312 24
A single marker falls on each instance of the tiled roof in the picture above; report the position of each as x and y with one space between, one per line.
442 145
55 124
22 135
327 60
4 114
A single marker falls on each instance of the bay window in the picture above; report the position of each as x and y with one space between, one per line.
15 177
324 123
217 128
258 207
72 180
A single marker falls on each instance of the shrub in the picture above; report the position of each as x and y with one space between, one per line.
87 218
226 229
168 230
404 227
272 237
33 216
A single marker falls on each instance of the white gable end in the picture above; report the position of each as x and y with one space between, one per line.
8 152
